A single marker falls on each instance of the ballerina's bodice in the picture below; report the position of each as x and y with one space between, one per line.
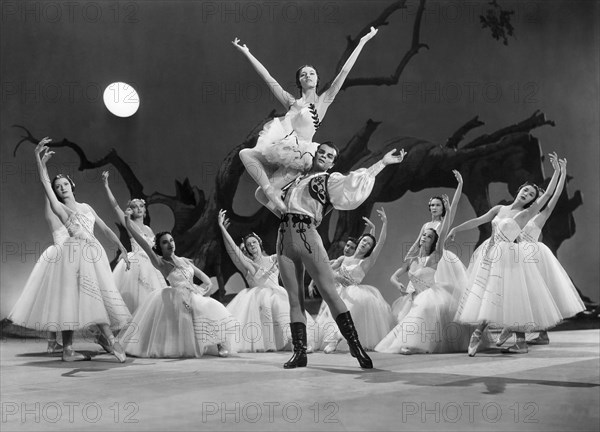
265 274
81 225
504 230
530 233
352 274
303 121
59 235
421 278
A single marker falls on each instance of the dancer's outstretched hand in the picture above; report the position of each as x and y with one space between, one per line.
105 175
382 215
369 35
390 158
236 43
368 223
459 178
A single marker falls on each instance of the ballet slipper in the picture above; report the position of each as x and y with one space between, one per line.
101 340
503 337
70 355
118 352
54 347
223 351
331 347
474 343
405 351
542 339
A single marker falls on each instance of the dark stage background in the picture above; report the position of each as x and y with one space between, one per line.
200 98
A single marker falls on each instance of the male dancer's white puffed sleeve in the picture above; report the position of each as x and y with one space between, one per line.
347 192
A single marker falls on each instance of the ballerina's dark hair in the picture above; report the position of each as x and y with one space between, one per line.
61 176
298 76
156 248
372 237
537 193
435 240
441 200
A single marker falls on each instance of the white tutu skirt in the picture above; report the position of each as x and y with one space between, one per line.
506 289
559 283
264 316
167 325
139 281
281 147
428 326
70 288
371 314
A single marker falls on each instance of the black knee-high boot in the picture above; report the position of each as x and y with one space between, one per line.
298 359
346 325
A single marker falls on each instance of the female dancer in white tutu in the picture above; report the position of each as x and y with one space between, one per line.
558 281
82 292
428 327
22 312
371 313
284 147
178 321
504 289
142 278
263 310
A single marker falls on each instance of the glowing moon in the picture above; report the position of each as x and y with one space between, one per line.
121 99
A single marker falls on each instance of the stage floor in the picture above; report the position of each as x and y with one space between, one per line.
553 388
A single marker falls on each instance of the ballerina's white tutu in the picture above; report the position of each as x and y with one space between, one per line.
371 314
264 314
178 322
425 316
73 287
286 142
141 279
557 280
505 287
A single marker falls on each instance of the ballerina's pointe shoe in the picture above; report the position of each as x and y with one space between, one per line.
474 343
70 355
223 351
118 352
540 340
503 337
274 196
54 347
405 351
331 347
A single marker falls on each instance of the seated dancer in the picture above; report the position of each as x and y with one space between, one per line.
178 321
428 327
142 278
284 148
22 312
348 251
81 291
503 289
559 283
263 310
449 271
299 245
372 314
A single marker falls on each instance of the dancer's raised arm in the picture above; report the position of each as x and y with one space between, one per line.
337 83
241 262
369 262
545 214
42 154
447 222
475 222
156 260
112 200
285 98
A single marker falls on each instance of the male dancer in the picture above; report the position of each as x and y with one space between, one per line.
307 199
